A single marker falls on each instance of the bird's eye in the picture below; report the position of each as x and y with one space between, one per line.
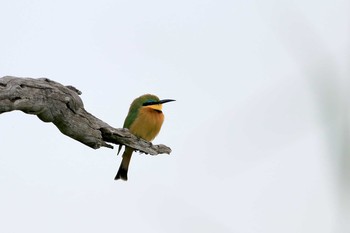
149 102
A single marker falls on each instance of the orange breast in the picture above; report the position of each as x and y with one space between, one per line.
148 123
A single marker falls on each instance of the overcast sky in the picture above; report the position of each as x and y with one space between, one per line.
250 143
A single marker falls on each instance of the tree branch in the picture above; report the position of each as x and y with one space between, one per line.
61 105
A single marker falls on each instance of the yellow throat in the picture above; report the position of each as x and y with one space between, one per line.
157 107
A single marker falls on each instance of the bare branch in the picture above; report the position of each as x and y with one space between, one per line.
61 105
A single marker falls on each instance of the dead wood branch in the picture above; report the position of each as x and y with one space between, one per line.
61 105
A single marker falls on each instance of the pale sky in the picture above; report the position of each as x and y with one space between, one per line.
250 149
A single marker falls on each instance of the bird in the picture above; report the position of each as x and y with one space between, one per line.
144 120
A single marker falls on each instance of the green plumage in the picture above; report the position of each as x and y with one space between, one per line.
134 110
135 107
144 119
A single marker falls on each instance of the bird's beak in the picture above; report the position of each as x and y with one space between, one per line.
165 101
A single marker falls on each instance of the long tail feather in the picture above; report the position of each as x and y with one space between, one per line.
124 165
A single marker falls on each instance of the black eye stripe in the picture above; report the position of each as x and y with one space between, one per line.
150 103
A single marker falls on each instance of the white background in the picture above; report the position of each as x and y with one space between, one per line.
255 130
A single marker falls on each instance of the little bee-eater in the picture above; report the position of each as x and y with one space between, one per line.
144 120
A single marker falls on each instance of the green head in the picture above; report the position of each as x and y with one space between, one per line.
147 100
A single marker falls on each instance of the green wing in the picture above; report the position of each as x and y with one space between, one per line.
130 118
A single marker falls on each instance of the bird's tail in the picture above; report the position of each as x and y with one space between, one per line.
124 165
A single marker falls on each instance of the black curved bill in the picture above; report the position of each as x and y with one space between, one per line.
165 101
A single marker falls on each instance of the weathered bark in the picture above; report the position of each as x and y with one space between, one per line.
61 105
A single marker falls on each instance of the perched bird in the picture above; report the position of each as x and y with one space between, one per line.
144 120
